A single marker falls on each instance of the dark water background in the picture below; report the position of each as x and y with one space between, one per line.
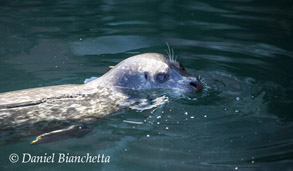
241 48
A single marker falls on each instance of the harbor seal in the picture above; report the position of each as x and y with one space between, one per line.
55 107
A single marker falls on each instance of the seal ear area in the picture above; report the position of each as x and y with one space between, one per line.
179 68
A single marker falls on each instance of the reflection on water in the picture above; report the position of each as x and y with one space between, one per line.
103 45
241 49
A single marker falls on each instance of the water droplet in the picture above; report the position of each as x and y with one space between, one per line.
205 116
158 123
185 113
238 98
148 135
167 127
158 117
236 111
192 117
236 168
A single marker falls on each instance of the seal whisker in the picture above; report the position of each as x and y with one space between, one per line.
169 54
201 79
173 54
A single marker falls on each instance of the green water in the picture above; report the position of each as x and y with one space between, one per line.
241 48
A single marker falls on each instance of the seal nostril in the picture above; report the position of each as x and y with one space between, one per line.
196 85
193 84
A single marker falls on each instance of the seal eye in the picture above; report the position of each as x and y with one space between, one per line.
162 77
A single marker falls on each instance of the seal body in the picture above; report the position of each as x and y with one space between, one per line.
57 103
49 108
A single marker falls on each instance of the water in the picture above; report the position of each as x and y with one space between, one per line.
242 50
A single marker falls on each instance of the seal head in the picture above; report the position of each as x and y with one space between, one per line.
150 71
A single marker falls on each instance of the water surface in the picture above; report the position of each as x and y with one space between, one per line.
241 49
